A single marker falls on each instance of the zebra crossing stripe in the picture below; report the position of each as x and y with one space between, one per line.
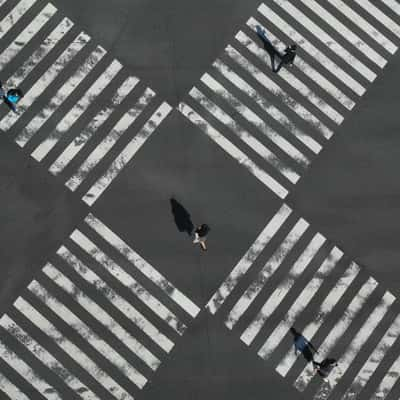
388 381
62 94
46 358
77 110
23 369
300 304
393 5
110 140
307 69
355 346
282 289
127 280
270 85
326 307
291 79
2 2
116 300
320 57
97 121
380 16
40 53
269 269
254 119
327 40
364 25
248 259
126 154
44 81
71 350
375 358
338 331
102 316
269 108
12 391
27 34
349 35
142 265
88 334
14 15
245 136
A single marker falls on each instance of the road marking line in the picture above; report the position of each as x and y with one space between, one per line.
282 289
271 266
142 265
393 4
12 391
248 259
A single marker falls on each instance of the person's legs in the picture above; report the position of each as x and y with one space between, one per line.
196 238
9 104
276 70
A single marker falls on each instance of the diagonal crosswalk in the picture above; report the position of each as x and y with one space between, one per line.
293 277
98 318
53 63
275 125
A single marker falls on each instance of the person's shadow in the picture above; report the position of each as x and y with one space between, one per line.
181 217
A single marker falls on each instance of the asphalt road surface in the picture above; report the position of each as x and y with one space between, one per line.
144 119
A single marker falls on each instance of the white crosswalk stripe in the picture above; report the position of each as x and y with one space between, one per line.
97 328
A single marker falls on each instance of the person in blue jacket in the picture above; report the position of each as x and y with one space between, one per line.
12 97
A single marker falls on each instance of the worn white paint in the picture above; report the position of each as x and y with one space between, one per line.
14 15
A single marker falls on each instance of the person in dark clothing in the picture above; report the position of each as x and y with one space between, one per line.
287 58
302 345
200 235
325 366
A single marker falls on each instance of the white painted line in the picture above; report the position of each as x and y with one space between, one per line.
326 307
355 346
254 119
307 69
77 110
346 33
44 81
248 259
268 107
271 86
387 22
279 294
26 35
40 53
110 140
88 334
375 358
142 265
127 154
393 5
127 280
388 381
337 331
268 270
291 79
72 350
245 136
327 40
27 373
233 151
14 15
364 25
46 358
62 94
97 121
300 304
102 316
320 57
116 300
12 391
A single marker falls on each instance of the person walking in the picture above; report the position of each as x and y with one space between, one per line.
12 97
325 367
200 235
302 345
287 58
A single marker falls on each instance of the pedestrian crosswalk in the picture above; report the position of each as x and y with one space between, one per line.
286 119
98 319
293 277
47 56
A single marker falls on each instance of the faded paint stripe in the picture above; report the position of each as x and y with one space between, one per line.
14 15
142 265
233 151
300 303
279 294
387 382
248 259
12 391
268 270
116 300
126 154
